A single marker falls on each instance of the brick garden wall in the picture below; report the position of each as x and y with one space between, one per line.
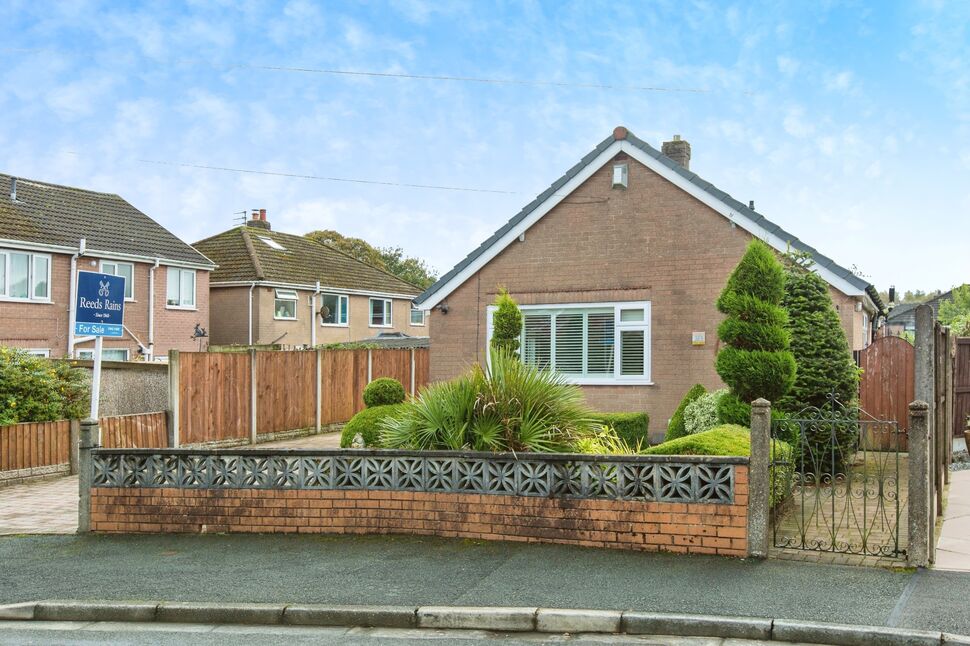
636 524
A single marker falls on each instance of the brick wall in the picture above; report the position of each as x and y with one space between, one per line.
651 241
698 521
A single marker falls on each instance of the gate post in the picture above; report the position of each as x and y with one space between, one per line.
918 551
88 440
759 484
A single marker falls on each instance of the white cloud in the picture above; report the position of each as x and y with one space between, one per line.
787 65
795 123
841 81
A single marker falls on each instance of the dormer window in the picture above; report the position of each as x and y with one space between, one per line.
621 174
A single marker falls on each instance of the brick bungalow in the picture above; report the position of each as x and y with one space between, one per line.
49 232
617 267
283 289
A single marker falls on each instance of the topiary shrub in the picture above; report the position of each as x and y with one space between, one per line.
629 427
35 389
818 343
506 324
383 392
368 423
676 428
701 414
755 360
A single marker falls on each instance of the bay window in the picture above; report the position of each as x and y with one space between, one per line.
597 343
25 275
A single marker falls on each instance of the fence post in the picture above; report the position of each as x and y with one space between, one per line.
759 484
174 392
412 372
920 500
319 389
370 365
88 439
74 438
252 395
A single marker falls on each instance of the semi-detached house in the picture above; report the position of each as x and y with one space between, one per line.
49 232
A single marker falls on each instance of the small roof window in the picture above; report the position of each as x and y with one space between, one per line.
272 243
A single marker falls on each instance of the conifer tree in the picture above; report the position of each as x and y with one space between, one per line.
755 360
506 324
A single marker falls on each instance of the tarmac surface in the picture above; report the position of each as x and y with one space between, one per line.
431 571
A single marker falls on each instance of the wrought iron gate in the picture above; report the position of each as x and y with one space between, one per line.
838 482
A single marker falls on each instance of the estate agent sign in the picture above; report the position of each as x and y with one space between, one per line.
100 306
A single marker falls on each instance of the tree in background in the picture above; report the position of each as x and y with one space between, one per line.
506 323
911 296
956 311
818 341
755 360
389 259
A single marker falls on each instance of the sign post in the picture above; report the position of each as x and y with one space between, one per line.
99 312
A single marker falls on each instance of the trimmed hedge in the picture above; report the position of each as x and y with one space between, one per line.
677 427
630 427
368 423
383 392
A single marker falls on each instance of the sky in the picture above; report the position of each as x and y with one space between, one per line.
848 123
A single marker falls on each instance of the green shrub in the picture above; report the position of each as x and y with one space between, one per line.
731 410
506 324
630 427
701 414
368 423
606 441
677 428
35 389
818 343
384 391
755 360
509 407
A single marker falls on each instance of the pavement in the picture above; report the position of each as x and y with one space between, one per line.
45 507
388 570
320 441
953 547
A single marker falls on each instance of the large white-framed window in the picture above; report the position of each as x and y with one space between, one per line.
284 304
381 312
334 309
124 269
181 288
107 354
418 317
25 276
588 343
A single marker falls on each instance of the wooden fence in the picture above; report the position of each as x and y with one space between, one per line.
143 431
236 397
961 385
888 386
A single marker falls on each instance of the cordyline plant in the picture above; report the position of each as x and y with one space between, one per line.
508 406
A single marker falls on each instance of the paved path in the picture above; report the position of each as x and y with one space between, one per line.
46 507
321 441
953 548
432 571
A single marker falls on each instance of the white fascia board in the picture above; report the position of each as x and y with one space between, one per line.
661 169
533 217
108 255
312 288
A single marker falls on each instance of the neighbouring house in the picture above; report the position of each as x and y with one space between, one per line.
902 317
617 267
275 288
50 232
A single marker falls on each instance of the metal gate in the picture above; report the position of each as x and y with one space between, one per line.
838 482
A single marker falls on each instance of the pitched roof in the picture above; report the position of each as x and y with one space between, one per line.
55 215
827 267
905 311
243 255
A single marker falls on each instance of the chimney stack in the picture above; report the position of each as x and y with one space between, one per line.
678 150
258 219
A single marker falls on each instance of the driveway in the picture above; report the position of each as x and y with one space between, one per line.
47 507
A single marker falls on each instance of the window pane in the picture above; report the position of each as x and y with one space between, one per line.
627 316
114 355
172 297
417 317
343 310
330 309
285 308
631 352
388 312
569 343
128 272
108 268
187 288
41 265
536 346
377 312
19 272
3 273
599 343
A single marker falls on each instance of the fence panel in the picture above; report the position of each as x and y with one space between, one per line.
285 390
422 368
31 445
142 431
343 376
394 363
961 385
214 402
888 381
